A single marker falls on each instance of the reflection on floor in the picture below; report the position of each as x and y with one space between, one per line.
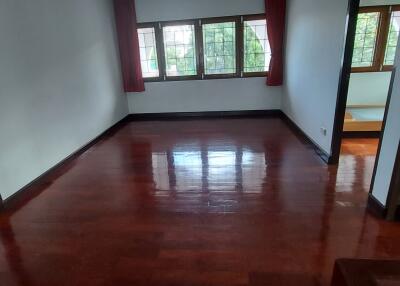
360 147
199 202
357 163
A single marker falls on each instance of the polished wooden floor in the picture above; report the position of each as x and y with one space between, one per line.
196 203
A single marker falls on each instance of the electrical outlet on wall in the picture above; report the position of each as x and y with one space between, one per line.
323 131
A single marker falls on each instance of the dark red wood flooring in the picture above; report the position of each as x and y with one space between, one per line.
196 203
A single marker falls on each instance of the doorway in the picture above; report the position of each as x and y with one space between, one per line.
366 79
370 48
375 43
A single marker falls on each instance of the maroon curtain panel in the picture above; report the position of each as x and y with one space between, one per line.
275 11
125 17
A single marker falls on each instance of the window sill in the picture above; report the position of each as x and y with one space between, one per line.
210 77
372 71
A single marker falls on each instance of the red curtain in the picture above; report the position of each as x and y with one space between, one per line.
275 11
125 17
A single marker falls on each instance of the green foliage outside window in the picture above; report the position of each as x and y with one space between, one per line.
254 55
219 41
179 44
182 58
393 37
219 49
365 41
153 59
391 49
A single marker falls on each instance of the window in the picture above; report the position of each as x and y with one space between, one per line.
376 38
219 46
393 37
257 52
365 41
224 47
180 50
148 52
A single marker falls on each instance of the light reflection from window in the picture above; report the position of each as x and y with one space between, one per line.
160 171
222 170
253 171
188 170
214 171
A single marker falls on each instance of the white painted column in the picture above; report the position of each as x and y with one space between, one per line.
390 143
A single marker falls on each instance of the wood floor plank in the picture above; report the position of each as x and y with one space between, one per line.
239 202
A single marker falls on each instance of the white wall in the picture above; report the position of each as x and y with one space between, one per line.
368 88
314 50
162 10
207 95
390 143
378 2
60 83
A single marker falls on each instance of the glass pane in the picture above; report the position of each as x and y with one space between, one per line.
148 52
179 45
257 51
219 43
365 41
392 38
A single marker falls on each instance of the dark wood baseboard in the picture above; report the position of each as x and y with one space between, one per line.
305 138
376 208
35 187
205 115
397 214
366 272
235 114
361 134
